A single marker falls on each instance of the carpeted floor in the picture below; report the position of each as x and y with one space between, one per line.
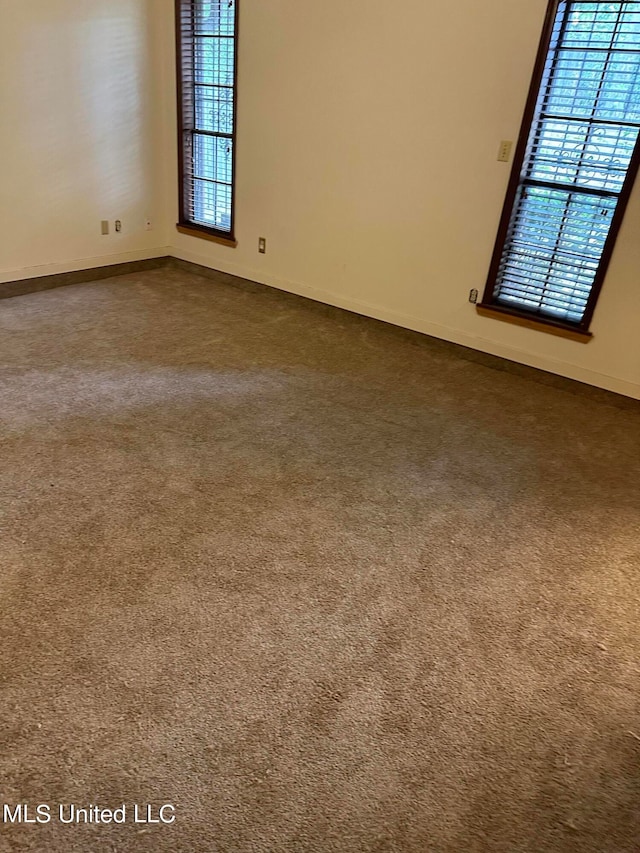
318 583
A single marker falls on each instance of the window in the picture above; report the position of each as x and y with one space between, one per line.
207 63
574 168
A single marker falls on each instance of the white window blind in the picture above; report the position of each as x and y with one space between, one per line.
576 164
207 84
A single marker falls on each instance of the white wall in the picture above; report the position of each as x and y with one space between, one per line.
78 134
368 135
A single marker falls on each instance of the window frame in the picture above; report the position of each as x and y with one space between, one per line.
488 306
185 94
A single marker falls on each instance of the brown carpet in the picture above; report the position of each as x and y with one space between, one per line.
318 583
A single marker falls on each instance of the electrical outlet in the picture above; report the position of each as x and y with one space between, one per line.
148 225
473 296
118 225
504 152
104 227
262 245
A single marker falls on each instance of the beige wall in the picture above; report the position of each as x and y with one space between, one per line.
367 158
78 130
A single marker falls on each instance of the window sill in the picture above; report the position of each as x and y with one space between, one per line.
549 327
194 231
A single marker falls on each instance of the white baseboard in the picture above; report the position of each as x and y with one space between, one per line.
378 312
83 263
